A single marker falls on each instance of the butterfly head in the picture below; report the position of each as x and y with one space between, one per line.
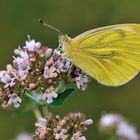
64 41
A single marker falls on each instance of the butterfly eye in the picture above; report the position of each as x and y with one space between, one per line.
60 46
65 39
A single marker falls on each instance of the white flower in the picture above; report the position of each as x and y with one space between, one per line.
51 72
23 64
81 81
126 131
62 135
31 45
58 128
6 78
24 136
59 64
24 58
87 122
77 136
57 52
11 70
109 120
49 95
14 99
41 130
66 66
41 123
22 74
62 65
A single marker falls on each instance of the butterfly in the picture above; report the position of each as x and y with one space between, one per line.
110 54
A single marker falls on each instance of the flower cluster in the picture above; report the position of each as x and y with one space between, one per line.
71 127
38 69
115 124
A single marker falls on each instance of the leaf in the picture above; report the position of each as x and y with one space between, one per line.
61 98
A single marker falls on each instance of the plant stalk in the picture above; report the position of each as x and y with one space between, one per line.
37 113
45 110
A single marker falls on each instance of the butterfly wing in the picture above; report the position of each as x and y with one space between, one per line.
110 54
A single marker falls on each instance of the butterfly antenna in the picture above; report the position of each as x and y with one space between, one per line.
49 26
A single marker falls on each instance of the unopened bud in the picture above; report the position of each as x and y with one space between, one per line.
62 122
33 59
57 117
76 126
27 62
37 70
38 45
49 129
9 67
4 106
17 52
22 83
88 122
48 52
50 81
32 86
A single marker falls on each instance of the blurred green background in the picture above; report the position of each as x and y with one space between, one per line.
19 18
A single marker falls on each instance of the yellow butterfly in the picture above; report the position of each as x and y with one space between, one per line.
109 54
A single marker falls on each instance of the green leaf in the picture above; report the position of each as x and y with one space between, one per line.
58 102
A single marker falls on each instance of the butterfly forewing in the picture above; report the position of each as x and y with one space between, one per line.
110 54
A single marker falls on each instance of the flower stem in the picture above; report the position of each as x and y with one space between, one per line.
37 113
45 110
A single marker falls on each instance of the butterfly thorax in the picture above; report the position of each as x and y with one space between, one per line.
65 42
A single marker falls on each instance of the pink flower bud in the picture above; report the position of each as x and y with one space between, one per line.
50 81
33 59
62 122
38 45
32 86
27 62
88 122
9 67
17 52
4 106
42 132
48 52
